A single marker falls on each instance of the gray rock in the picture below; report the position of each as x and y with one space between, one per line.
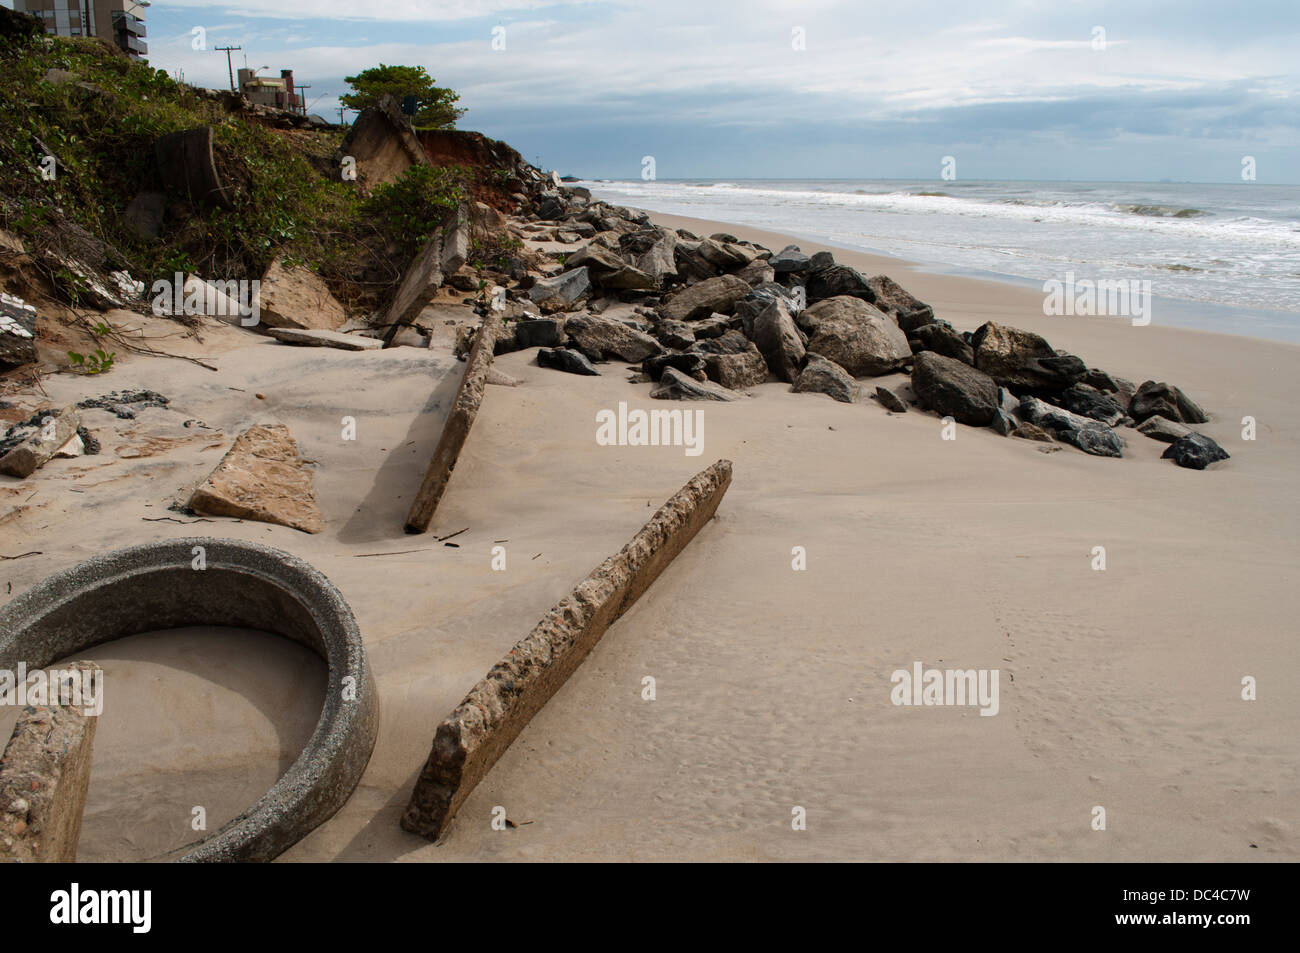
775 333
855 336
732 342
821 261
563 291
787 260
674 385
1195 451
890 400
834 280
1088 435
607 338
1162 429
822 376
756 272
566 359
17 332
652 251
701 300
1167 401
953 389
1090 402
1002 422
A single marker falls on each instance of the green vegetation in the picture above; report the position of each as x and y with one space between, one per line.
435 106
290 198
95 363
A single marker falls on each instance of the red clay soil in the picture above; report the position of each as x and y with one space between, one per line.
495 164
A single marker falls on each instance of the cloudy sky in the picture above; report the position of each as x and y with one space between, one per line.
1013 89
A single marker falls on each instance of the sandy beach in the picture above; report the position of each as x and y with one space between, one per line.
1119 688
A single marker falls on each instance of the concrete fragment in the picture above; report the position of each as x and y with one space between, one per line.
57 428
443 254
261 478
17 331
291 296
482 727
456 429
314 338
383 144
187 167
45 772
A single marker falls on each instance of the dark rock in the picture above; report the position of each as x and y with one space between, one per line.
788 259
691 364
820 261
855 335
566 359
953 389
732 342
540 332
834 280
674 385
890 400
942 339
1090 436
1195 451
756 272
1090 402
562 292
822 376
17 332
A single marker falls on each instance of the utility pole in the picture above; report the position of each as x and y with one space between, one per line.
341 115
226 50
304 98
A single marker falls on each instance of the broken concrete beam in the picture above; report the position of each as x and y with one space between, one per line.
55 430
186 165
492 715
441 255
261 478
309 338
45 770
456 429
383 144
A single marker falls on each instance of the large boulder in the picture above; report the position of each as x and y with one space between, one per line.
1159 428
599 337
757 272
674 385
855 335
566 359
774 331
540 332
676 334
908 311
822 376
1023 360
691 363
651 251
954 389
701 300
1195 451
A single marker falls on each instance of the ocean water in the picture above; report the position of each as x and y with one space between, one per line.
1219 257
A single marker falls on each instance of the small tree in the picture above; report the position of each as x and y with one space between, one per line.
435 106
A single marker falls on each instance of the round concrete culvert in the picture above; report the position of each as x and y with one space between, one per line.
240 585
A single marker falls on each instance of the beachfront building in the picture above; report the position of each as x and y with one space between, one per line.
119 21
273 91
